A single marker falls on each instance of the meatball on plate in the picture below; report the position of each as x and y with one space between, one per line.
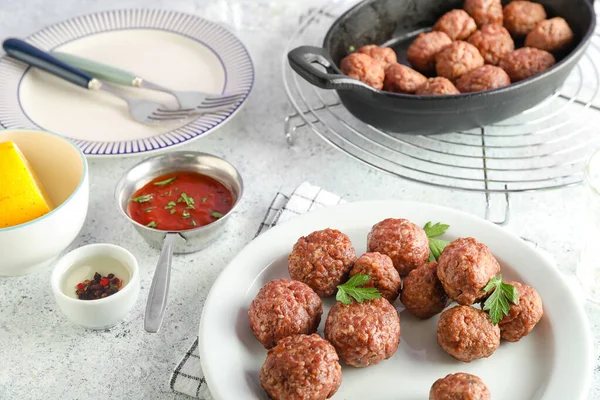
384 351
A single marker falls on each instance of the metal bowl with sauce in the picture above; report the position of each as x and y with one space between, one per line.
183 241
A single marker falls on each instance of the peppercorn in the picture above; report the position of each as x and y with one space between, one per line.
99 287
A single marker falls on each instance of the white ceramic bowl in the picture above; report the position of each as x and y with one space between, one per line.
101 313
63 171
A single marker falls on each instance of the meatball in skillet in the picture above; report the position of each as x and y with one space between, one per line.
520 17
457 59
522 317
553 35
402 79
423 294
402 241
322 260
493 42
437 86
423 50
459 386
457 24
483 78
465 267
467 333
526 62
364 68
383 275
485 11
383 54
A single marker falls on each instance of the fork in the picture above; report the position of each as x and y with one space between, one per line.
187 100
144 111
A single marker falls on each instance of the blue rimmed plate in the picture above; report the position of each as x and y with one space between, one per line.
171 48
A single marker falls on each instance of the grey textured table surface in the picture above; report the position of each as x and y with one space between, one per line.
43 355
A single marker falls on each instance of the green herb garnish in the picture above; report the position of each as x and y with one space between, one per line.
165 194
149 209
193 223
436 246
216 215
165 182
173 211
204 199
170 205
185 214
152 224
184 198
351 49
142 199
352 289
497 303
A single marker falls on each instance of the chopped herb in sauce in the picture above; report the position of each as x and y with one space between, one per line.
173 211
189 201
165 194
152 224
185 214
216 215
149 209
165 182
193 223
142 199
204 199
170 205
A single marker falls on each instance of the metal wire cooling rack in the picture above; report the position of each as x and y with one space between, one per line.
543 148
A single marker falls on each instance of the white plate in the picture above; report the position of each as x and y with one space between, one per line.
173 49
555 362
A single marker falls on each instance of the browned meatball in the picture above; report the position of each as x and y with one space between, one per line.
421 53
383 275
467 333
483 78
520 17
437 86
493 42
363 333
402 79
457 24
460 386
522 317
553 35
384 54
526 62
322 260
301 367
485 11
402 241
423 294
458 59
465 267
364 68
282 308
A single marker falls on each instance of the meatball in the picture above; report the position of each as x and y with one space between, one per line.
402 79
322 260
520 17
467 333
457 24
402 241
483 78
457 59
526 62
460 386
364 68
437 86
423 294
493 42
522 317
383 275
383 54
363 333
301 367
553 35
282 308
485 11
464 268
421 53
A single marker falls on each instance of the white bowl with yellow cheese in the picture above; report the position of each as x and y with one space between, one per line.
44 195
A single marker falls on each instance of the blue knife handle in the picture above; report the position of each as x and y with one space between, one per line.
35 57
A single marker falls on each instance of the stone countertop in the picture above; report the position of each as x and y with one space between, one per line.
42 354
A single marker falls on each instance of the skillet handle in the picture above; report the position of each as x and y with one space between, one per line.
303 59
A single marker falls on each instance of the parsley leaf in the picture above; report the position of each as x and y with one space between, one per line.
152 224
165 182
189 201
170 205
497 303
352 289
142 199
216 215
436 246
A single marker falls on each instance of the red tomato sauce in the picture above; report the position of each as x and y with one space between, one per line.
180 201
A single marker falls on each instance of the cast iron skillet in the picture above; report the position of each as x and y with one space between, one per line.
395 23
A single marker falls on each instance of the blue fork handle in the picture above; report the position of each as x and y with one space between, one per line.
22 51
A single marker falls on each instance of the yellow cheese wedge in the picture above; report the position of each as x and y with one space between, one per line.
22 197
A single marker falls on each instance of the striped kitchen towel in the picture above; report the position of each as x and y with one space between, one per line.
188 378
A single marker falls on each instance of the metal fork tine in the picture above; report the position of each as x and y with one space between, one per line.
217 103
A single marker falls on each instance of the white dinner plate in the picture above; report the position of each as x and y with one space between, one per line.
173 49
554 362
